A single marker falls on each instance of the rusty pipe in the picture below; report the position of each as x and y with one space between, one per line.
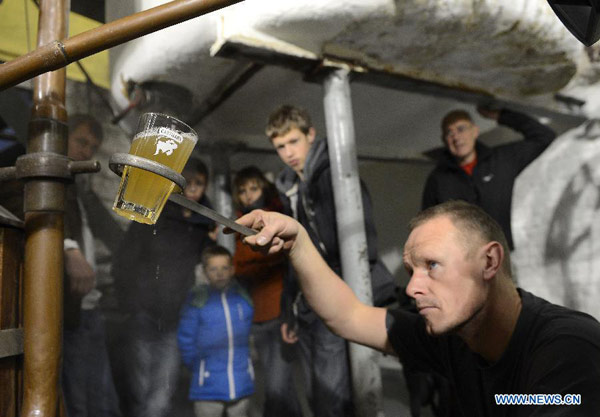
44 233
43 313
54 54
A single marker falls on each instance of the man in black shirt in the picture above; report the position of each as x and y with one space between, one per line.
471 171
474 326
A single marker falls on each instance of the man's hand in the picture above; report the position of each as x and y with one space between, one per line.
277 232
488 113
288 334
81 275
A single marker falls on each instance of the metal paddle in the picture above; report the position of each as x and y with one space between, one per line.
211 214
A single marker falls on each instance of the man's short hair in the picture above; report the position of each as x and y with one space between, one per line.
214 250
196 166
94 125
285 118
469 219
453 117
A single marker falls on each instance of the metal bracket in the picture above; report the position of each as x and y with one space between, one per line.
45 175
118 160
47 165
43 165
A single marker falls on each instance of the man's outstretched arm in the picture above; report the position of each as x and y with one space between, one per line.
328 295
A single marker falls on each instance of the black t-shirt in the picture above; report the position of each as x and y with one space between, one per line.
553 350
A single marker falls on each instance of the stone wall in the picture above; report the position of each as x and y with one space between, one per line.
556 222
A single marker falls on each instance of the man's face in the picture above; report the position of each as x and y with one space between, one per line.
460 138
82 143
293 148
195 185
219 271
446 277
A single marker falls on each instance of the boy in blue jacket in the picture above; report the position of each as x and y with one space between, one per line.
213 339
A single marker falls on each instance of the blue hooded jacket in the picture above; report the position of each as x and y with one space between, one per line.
213 339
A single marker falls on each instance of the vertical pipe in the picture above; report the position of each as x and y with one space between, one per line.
44 232
366 376
223 200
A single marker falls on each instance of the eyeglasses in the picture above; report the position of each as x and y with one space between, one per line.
458 130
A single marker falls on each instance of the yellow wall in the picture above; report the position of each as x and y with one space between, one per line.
18 35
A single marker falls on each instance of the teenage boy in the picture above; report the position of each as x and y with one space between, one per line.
307 194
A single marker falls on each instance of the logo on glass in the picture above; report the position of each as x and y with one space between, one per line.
165 147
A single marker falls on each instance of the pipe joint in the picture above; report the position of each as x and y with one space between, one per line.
47 165
52 166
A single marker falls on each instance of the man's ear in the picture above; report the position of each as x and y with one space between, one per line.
494 257
476 128
312 134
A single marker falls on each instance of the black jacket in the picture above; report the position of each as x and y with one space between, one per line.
491 184
154 267
318 216
103 227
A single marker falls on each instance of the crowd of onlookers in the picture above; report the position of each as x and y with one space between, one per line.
250 301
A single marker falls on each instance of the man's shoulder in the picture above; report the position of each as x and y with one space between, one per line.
563 354
556 323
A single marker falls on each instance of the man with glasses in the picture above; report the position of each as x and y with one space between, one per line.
471 171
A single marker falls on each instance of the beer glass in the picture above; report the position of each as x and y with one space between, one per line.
163 139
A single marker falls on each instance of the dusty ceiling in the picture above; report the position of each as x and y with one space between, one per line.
495 50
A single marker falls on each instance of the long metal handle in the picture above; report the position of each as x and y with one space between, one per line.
211 214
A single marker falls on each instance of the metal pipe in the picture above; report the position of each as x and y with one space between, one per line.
54 54
43 283
231 83
222 191
366 376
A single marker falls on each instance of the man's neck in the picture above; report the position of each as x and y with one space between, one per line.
467 159
489 334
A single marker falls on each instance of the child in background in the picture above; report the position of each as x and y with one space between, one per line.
263 276
154 271
213 339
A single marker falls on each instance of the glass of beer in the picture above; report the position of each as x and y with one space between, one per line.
166 140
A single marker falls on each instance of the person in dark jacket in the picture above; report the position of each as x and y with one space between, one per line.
470 171
87 379
153 271
307 194
263 276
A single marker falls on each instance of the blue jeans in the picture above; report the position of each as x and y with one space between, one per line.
153 367
326 370
87 380
281 398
